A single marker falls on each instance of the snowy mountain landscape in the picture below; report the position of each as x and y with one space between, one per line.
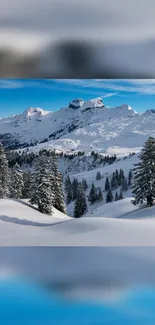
96 149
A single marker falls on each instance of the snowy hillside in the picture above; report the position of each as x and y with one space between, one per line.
84 126
22 225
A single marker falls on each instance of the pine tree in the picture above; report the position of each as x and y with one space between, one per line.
116 176
107 184
116 196
124 185
109 197
69 195
74 188
17 183
121 177
4 173
42 194
92 195
144 174
121 196
130 177
57 185
80 203
99 196
84 184
113 181
68 183
28 184
98 176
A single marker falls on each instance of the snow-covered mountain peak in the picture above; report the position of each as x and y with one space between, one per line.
93 103
126 109
34 111
76 103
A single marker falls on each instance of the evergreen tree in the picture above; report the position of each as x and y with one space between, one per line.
92 195
116 196
98 176
80 203
57 186
84 184
17 183
107 184
4 173
42 194
113 181
74 188
68 183
109 197
121 196
130 177
69 195
28 184
144 174
99 196
116 176
121 177
124 185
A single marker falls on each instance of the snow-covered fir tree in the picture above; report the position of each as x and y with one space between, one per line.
57 185
107 184
84 184
109 197
144 174
68 183
4 173
130 177
92 198
69 196
28 184
113 181
124 184
116 196
17 183
121 195
42 194
121 177
98 176
99 195
74 188
80 203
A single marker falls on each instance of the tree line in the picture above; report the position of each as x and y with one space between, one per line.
43 186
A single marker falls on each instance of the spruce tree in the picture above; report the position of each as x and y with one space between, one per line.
17 183
121 177
69 195
28 184
74 188
124 184
130 177
107 184
109 197
84 184
144 174
80 203
116 196
68 183
92 195
98 176
57 185
42 194
113 181
99 196
121 196
4 173
116 176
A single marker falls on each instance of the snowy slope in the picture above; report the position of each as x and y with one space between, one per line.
82 126
131 228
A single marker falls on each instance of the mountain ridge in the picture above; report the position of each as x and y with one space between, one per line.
85 126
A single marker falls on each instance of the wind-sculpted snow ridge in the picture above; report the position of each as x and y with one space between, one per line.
80 126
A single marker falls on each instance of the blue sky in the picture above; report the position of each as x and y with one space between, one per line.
16 95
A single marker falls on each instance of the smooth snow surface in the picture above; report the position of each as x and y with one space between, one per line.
128 226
